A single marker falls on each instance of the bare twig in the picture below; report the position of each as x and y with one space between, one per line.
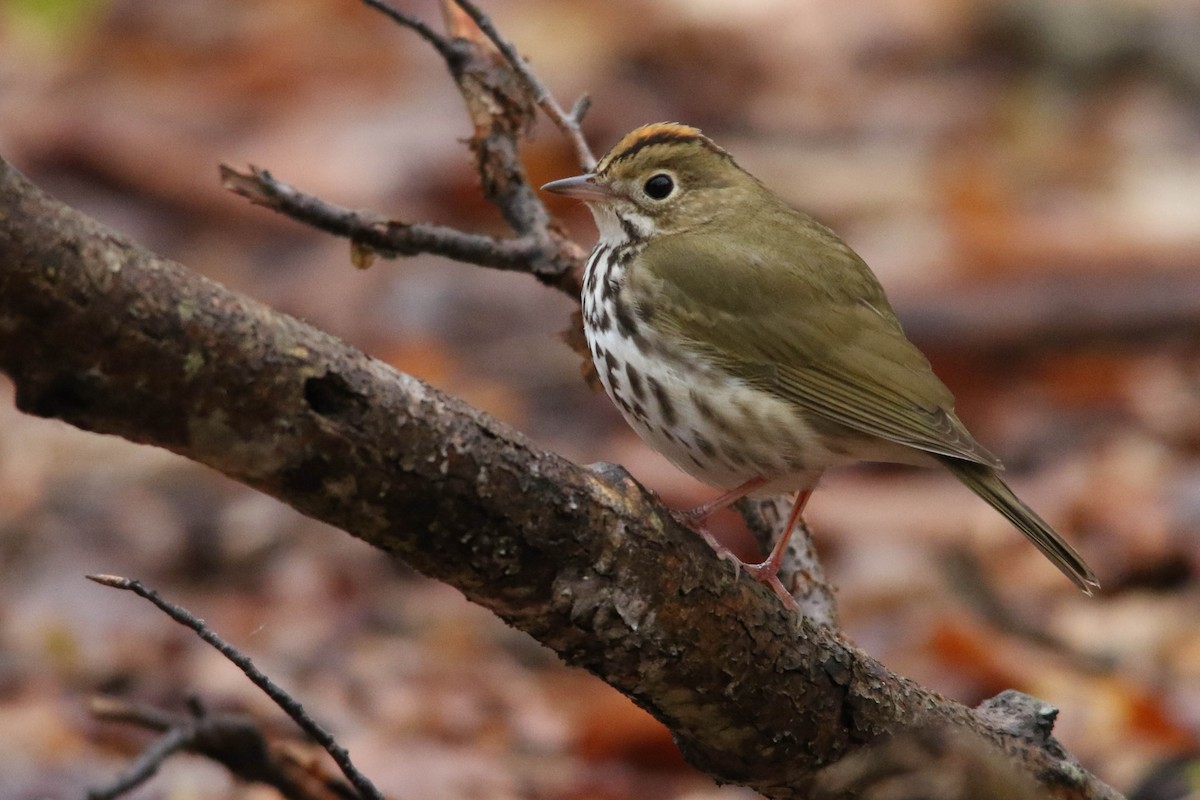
582 104
232 740
281 698
440 43
387 237
146 764
110 709
496 86
568 123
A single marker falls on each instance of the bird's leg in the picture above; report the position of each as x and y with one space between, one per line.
700 514
768 571
697 518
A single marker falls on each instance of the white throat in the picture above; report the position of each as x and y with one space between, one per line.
620 229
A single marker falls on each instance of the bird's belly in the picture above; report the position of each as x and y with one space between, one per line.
708 423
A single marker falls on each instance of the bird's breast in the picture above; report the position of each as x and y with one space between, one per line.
707 422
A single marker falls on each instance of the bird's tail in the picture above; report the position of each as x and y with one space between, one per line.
983 481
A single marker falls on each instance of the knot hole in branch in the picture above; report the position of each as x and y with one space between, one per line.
330 395
66 396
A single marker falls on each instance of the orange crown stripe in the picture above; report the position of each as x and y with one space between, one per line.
652 134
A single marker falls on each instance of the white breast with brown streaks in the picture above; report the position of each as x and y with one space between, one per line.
708 423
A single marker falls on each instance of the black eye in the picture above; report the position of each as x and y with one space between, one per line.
659 186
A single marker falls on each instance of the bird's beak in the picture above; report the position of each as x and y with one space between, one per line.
581 187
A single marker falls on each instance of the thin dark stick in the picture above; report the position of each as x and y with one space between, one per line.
231 740
440 42
146 765
567 123
281 698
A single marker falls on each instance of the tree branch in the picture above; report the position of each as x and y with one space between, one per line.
495 85
111 338
391 238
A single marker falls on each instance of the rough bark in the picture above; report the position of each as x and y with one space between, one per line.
108 337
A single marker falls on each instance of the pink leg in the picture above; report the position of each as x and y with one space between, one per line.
768 571
700 514
697 518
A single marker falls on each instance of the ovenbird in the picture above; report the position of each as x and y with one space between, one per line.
752 347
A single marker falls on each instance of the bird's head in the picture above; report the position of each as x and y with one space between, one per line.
660 179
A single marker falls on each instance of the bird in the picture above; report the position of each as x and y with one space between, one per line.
753 348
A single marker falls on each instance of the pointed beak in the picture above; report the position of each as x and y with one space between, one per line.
581 187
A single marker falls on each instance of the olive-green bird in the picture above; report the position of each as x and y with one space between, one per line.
752 347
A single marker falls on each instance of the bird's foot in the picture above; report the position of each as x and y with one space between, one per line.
697 520
723 552
768 573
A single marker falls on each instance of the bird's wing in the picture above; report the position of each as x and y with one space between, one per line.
816 330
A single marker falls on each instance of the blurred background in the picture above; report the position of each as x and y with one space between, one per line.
1024 177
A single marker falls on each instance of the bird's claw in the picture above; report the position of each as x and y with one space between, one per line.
766 573
723 552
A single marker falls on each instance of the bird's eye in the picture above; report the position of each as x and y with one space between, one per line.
659 186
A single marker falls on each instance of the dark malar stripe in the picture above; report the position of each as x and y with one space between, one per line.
630 230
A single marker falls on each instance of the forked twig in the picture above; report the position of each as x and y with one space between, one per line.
146 764
440 43
495 84
281 698
232 740
494 81
567 122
